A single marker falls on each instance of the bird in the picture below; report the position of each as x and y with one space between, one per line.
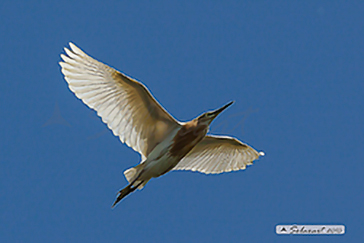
137 118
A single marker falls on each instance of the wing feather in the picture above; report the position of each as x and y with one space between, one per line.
218 154
124 104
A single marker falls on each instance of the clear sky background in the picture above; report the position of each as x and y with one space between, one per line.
294 68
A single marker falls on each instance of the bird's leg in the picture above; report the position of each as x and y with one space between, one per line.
124 192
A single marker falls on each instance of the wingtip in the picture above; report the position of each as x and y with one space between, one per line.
261 153
77 50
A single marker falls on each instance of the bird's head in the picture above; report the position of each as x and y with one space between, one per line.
208 117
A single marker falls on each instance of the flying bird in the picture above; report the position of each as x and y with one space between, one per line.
133 114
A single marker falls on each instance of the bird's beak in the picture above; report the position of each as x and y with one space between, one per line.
218 111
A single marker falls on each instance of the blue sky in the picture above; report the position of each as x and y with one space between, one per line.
294 68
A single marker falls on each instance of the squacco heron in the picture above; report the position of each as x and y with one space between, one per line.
131 112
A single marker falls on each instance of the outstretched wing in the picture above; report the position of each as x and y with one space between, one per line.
124 104
218 154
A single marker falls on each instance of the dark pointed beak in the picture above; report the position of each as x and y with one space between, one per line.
218 111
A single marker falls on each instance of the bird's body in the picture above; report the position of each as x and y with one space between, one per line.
137 118
166 155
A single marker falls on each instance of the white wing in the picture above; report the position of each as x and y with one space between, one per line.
218 154
124 104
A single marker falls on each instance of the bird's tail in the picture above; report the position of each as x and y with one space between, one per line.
132 175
